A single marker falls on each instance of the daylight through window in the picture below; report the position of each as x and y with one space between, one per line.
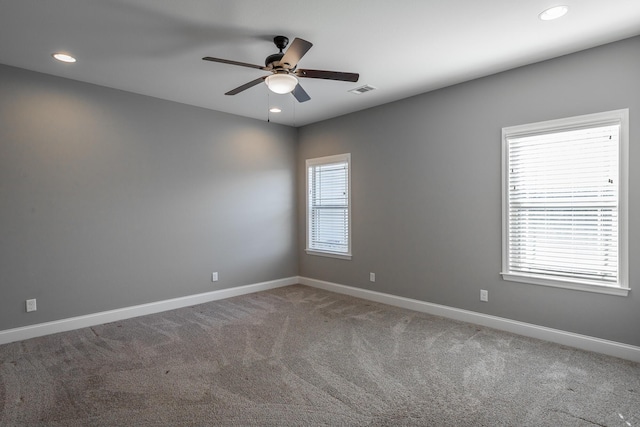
328 206
564 203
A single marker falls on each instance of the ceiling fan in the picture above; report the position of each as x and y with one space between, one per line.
284 71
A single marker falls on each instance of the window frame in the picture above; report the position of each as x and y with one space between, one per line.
338 158
621 117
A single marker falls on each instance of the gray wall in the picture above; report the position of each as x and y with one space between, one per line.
426 190
111 199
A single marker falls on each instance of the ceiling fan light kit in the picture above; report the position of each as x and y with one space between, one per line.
284 70
281 83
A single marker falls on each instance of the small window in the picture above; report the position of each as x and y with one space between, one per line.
329 206
564 203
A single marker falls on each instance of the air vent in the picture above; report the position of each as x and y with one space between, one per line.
362 89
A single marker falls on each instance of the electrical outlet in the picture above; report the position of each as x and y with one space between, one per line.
214 276
31 305
372 277
484 295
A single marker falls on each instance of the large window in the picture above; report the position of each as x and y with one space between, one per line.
565 203
328 206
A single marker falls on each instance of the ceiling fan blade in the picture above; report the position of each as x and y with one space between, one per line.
227 61
246 86
300 94
294 52
330 75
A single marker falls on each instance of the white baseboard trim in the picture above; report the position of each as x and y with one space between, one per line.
570 339
63 325
584 342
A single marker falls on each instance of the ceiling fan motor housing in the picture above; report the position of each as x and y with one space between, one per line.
272 60
281 43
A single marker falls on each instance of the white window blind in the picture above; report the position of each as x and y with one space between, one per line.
563 204
328 216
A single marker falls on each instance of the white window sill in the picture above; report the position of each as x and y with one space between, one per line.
575 285
328 254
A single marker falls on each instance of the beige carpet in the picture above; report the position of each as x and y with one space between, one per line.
299 356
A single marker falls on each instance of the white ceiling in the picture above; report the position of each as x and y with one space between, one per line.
402 47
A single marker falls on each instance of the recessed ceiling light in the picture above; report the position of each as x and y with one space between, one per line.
63 57
275 110
554 13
